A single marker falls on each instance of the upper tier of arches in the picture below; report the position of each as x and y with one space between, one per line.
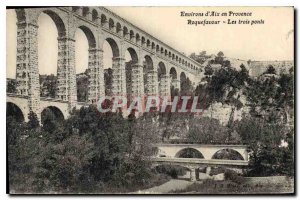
113 23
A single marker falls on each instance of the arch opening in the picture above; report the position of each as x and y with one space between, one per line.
103 20
137 38
125 31
143 40
51 29
131 58
174 84
161 71
85 11
14 112
50 116
186 87
81 65
227 154
189 153
147 69
110 51
84 42
111 24
173 73
94 15
119 28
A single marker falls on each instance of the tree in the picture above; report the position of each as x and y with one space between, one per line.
220 58
264 140
207 131
48 85
220 54
186 87
208 71
270 70
33 121
272 98
199 58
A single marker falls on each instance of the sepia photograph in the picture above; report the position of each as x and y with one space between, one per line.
150 100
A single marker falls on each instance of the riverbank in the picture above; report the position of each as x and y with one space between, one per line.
250 185
173 184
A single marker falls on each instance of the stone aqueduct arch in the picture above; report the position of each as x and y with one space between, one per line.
99 25
22 104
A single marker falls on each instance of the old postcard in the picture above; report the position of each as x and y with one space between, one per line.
150 100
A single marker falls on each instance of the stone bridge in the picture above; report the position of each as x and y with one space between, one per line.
173 154
60 108
154 68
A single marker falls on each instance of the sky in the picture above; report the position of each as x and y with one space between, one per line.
273 40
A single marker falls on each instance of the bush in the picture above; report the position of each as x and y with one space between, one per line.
173 171
233 176
217 170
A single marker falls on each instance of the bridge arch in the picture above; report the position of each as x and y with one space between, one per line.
189 153
85 11
119 28
47 43
111 24
94 15
157 48
137 38
115 47
161 70
129 64
148 43
57 112
182 77
125 31
133 54
85 46
152 45
89 35
103 20
143 41
147 73
173 73
58 20
15 111
131 35
111 51
228 154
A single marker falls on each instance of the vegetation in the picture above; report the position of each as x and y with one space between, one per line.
266 129
94 152
48 85
89 152
82 83
231 187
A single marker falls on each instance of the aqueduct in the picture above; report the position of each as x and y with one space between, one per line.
155 67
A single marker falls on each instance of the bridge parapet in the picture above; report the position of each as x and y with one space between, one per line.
206 150
196 162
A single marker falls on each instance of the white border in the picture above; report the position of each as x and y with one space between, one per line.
3 4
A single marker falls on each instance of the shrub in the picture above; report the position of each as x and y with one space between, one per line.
173 171
233 176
